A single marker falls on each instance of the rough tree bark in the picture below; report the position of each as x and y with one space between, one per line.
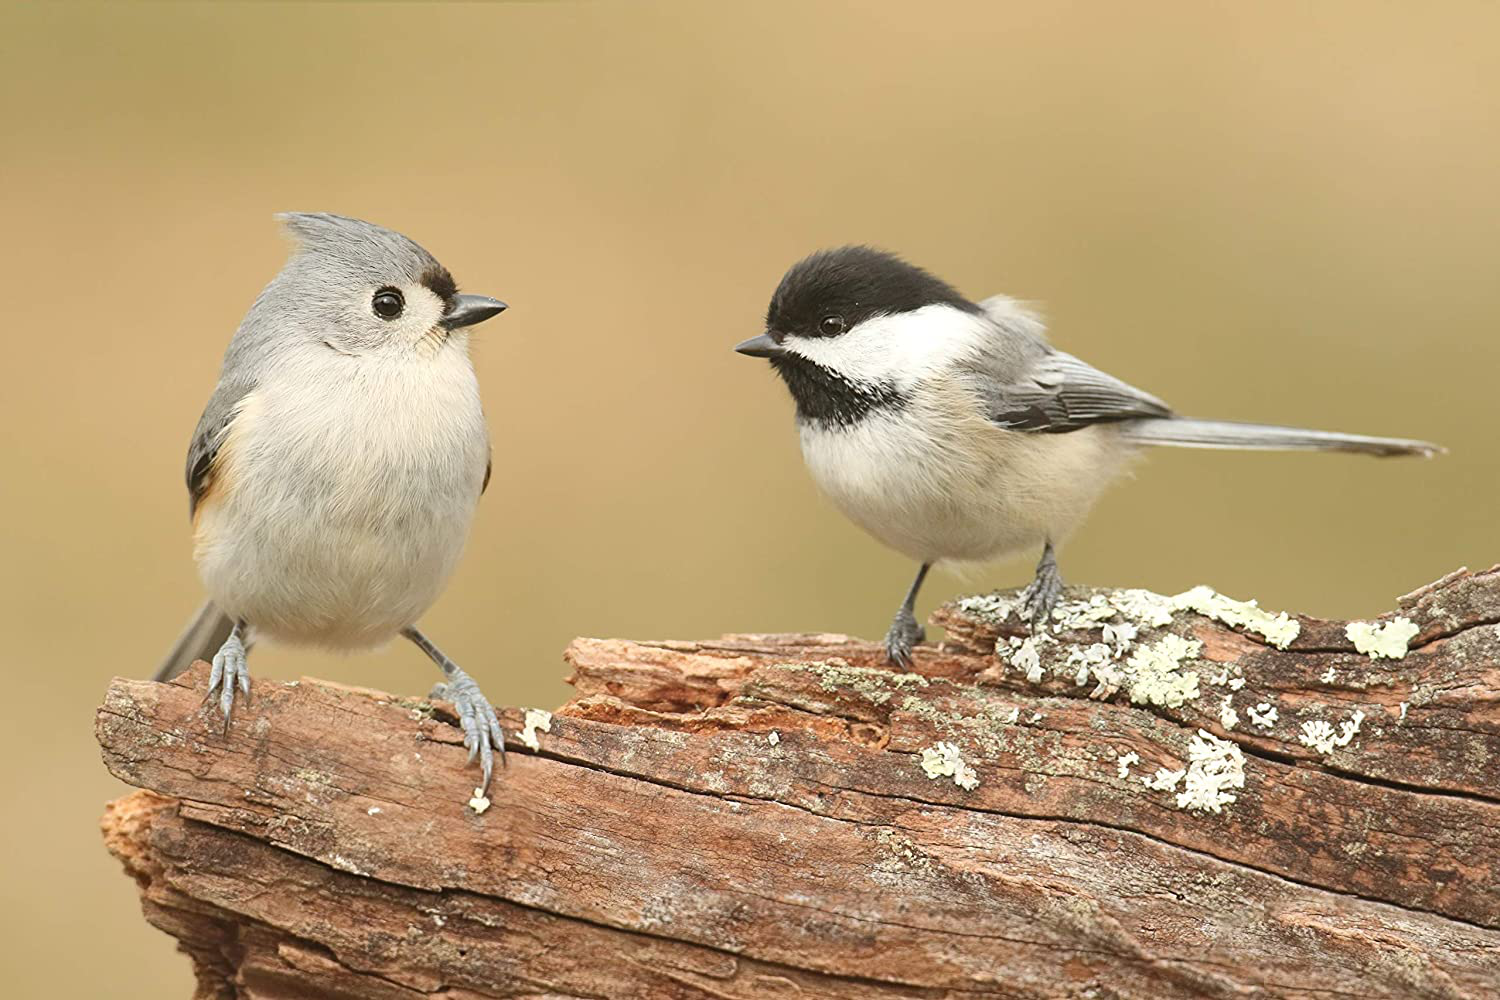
780 816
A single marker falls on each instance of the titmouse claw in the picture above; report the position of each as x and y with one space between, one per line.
476 716
230 671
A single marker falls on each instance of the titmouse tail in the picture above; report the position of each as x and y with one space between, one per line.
1181 432
199 641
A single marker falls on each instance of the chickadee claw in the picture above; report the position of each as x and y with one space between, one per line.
905 633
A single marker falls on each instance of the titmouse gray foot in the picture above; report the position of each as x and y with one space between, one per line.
476 716
229 672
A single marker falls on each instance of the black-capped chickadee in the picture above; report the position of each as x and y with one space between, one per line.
950 430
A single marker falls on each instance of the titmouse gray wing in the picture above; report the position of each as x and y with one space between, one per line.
1027 385
209 435
208 629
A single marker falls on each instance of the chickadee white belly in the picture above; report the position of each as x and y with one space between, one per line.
345 499
937 481
951 430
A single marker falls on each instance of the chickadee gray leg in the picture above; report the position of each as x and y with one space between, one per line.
1044 591
482 732
230 670
905 631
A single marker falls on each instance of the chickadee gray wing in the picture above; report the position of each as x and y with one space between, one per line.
1059 393
209 436
1042 390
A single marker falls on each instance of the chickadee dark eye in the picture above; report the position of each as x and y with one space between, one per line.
388 303
831 326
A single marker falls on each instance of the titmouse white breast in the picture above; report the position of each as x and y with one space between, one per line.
951 430
334 473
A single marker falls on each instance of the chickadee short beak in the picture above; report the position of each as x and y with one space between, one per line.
760 347
470 309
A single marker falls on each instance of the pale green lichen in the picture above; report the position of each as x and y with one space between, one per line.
1087 658
1137 608
1024 655
773 738
479 803
1320 736
1278 630
1152 676
1263 715
1228 717
1070 615
1224 678
1148 671
1122 764
1118 636
1142 606
536 719
1214 767
1164 780
1388 641
992 608
943 760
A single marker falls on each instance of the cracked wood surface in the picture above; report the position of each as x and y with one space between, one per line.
749 817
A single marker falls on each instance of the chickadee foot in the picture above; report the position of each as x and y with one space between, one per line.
1043 593
230 672
904 634
482 733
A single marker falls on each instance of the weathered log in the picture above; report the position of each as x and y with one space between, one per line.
777 816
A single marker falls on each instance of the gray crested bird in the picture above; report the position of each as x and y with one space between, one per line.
334 473
951 430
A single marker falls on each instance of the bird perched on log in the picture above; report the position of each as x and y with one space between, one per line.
335 471
951 429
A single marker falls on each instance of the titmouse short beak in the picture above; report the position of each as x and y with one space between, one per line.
470 309
760 347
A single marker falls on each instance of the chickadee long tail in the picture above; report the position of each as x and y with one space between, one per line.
1182 432
199 641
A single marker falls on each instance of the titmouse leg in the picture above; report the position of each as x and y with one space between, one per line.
230 670
1042 594
482 732
905 632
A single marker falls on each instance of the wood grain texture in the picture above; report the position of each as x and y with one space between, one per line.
749 817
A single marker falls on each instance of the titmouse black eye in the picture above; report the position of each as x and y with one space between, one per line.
831 326
388 303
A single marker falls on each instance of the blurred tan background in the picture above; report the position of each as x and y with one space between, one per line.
1256 211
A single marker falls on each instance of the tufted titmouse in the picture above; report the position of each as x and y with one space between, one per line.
950 430
336 468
